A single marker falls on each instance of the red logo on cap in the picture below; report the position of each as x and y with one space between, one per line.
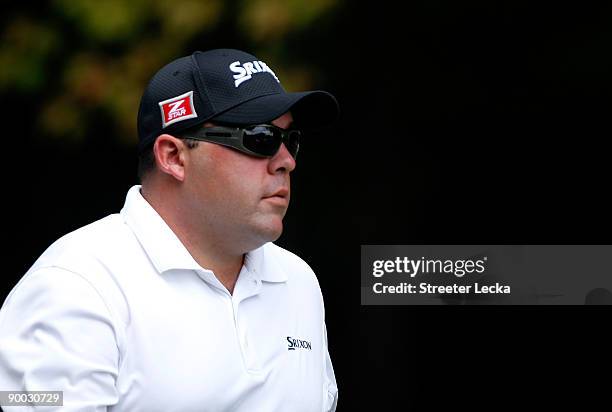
177 109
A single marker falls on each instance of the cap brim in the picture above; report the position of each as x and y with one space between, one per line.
310 110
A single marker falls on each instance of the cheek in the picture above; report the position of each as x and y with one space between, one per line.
231 181
237 189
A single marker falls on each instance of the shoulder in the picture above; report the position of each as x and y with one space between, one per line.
84 259
42 292
94 243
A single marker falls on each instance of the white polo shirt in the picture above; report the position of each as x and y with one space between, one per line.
119 316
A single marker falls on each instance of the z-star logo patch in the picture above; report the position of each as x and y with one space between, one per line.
177 109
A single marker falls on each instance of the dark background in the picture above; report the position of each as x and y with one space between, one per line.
486 123
462 122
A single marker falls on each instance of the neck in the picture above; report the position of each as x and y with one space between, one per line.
208 251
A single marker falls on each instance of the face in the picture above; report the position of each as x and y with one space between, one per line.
240 198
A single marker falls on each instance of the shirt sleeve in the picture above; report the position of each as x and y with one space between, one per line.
56 333
330 379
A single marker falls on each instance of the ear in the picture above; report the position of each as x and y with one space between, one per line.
170 156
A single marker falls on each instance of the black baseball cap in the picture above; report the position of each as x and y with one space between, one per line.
228 87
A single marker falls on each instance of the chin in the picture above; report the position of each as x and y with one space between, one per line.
269 232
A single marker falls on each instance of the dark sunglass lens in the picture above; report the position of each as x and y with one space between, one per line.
262 140
293 142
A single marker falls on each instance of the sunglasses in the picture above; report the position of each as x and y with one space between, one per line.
261 140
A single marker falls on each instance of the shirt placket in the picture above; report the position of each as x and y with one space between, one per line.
246 287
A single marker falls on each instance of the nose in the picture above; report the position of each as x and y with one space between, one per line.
282 161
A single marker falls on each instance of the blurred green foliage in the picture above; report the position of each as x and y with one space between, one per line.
87 59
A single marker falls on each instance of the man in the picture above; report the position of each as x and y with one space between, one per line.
181 302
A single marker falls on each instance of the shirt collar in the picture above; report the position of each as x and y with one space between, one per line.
163 247
166 251
264 267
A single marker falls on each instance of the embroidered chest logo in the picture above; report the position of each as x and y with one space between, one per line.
177 109
293 344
